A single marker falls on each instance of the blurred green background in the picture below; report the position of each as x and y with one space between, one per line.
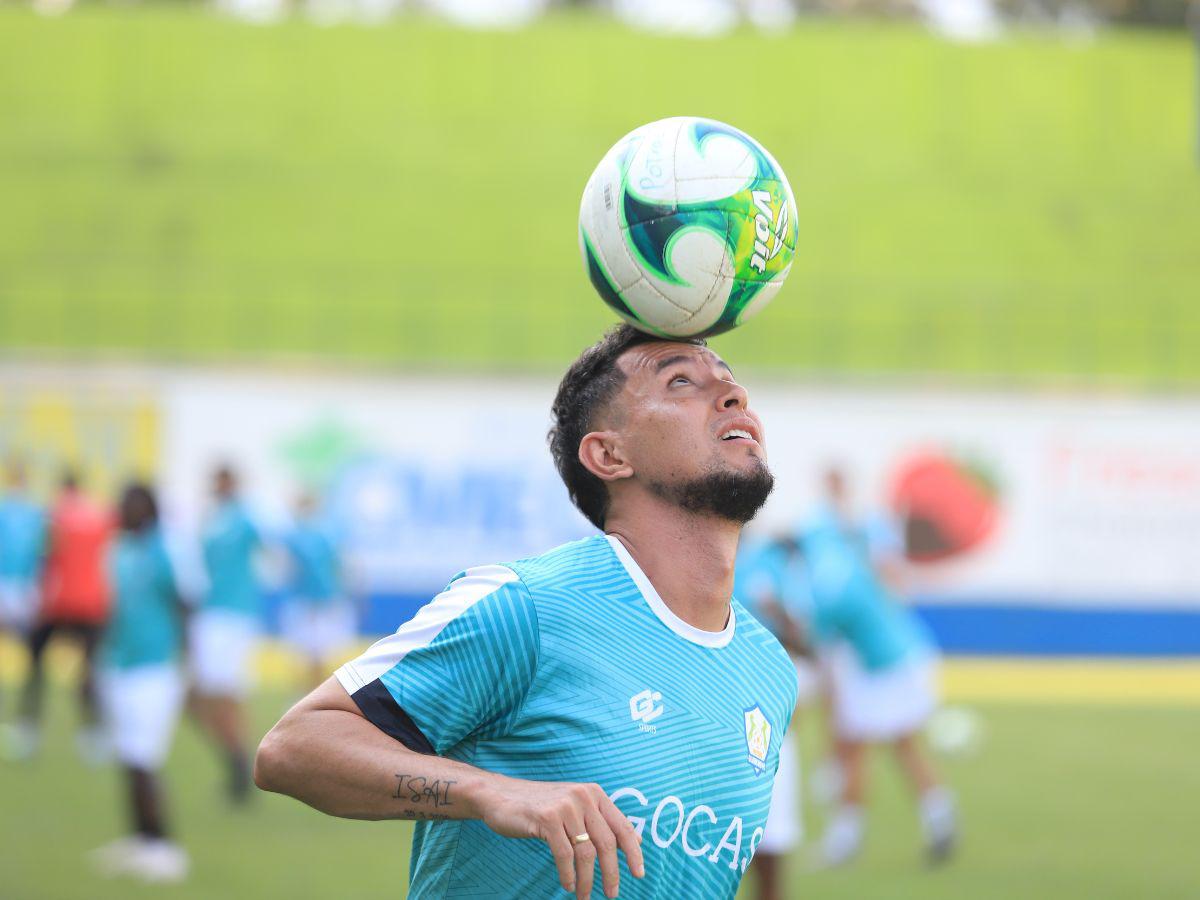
179 186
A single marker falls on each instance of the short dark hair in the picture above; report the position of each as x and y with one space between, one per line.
585 390
138 509
225 477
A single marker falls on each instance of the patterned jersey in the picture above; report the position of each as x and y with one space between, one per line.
144 627
314 563
230 542
852 604
570 667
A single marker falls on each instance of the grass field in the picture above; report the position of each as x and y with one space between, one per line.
1062 801
179 186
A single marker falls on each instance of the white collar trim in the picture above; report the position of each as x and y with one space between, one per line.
660 609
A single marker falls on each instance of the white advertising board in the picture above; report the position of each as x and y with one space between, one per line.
1080 499
1060 504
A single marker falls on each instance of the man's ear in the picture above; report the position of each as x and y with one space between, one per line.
601 454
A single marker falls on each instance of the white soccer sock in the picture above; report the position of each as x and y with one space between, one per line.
843 836
938 815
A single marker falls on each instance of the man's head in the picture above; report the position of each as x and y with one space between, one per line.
224 482
636 412
68 480
833 483
305 505
789 545
138 509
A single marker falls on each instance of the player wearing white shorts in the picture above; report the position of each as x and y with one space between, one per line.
880 663
224 633
141 687
317 618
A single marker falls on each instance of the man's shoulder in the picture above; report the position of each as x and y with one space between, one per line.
568 564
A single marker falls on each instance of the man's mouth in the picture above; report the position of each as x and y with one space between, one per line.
740 429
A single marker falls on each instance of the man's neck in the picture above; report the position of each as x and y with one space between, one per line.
687 557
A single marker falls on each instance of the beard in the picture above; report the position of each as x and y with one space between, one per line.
724 493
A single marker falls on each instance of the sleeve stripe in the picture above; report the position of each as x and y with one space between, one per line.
425 626
382 710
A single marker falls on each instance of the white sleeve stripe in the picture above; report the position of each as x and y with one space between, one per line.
425 626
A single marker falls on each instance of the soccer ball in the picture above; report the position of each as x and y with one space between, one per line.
687 227
955 731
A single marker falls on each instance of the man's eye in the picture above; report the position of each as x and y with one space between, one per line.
675 379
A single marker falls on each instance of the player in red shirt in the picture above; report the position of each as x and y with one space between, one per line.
75 603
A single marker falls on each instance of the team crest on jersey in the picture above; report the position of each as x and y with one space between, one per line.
758 738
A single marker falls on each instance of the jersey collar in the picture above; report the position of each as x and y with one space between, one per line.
655 602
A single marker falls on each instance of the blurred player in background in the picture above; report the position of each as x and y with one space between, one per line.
881 668
772 582
877 532
878 536
141 687
74 604
317 618
224 632
527 699
22 539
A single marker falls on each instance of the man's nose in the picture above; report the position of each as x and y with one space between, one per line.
734 396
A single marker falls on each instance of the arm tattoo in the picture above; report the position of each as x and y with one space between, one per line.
418 789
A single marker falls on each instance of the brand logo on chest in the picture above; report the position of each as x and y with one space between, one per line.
644 708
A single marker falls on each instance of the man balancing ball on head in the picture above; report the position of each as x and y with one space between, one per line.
609 699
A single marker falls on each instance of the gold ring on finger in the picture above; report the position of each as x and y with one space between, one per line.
581 838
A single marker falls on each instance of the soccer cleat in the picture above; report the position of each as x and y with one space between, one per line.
159 861
940 849
939 821
117 857
21 741
843 838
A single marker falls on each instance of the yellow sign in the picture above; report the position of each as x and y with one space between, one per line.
106 434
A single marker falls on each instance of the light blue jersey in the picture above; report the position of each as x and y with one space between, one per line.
314 559
144 626
570 667
230 541
22 538
852 604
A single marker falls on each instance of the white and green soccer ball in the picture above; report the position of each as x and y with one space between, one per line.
687 227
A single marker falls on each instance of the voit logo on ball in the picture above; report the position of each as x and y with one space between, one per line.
770 228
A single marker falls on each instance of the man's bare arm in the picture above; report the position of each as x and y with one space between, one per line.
325 753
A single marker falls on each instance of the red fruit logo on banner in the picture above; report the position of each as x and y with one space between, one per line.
946 506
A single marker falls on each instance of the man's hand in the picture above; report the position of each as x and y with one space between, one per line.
558 812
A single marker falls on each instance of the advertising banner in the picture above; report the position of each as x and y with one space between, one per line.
1030 523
